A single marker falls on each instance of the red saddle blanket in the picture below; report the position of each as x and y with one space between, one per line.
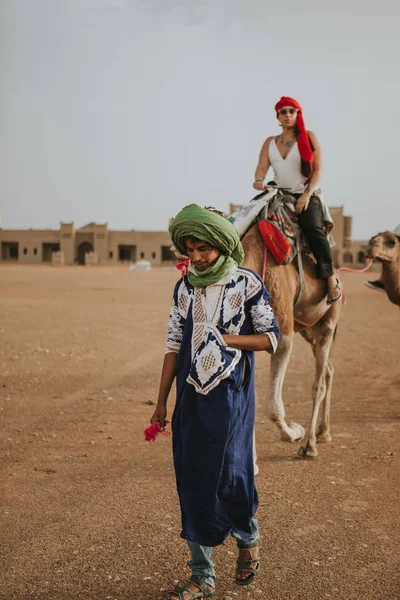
276 242
280 230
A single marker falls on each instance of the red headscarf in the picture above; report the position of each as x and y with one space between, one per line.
303 141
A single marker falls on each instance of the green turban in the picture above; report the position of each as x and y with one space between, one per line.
195 221
210 227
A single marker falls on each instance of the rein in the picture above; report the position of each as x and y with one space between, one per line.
356 270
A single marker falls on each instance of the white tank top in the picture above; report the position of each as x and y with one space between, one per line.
287 171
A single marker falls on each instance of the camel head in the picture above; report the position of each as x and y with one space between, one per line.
384 247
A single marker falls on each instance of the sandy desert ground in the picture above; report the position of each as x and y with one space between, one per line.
88 510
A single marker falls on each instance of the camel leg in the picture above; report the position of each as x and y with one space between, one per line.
290 431
319 390
323 431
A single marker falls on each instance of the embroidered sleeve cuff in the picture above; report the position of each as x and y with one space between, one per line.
172 347
274 342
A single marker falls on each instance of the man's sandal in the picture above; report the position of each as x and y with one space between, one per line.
251 566
182 592
335 287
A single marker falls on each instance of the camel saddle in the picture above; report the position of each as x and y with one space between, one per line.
274 213
280 230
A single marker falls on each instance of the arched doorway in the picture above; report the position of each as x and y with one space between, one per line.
82 250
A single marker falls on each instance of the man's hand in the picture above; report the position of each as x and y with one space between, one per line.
302 203
159 415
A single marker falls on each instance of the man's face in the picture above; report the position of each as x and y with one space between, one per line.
201 254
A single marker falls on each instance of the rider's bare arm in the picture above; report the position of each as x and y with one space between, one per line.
263 166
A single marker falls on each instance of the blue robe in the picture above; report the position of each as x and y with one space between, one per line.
213 420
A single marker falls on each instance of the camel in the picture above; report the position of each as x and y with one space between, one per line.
385 248
316 321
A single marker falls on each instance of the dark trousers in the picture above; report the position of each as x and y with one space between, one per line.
312 226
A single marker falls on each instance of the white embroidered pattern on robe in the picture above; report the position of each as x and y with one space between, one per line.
177 319
253 284
199 317
262 317
244 286
233 314
212 362
209 361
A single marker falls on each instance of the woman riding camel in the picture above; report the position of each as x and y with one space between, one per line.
295 156
220 315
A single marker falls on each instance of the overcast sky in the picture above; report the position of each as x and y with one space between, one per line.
123 111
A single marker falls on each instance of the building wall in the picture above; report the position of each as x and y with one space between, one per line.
67 242
101 243
149 243
337 233
145 244
105 243
30 243
116 239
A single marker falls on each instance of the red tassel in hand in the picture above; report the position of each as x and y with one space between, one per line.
153 431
